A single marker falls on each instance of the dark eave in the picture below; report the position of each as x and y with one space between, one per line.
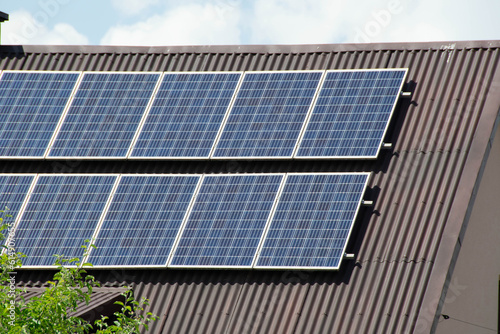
4 17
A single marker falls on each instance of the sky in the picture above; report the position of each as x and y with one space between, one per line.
229 22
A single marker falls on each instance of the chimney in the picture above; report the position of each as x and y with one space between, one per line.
3 17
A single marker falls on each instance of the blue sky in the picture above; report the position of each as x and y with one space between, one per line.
194 22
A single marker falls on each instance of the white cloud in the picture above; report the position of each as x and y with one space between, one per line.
334 21
132 7
321 21
420 32
25 28
188 24
428 20
296 21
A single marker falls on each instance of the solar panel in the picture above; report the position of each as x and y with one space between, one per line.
104 115
62 212
268 114
351 114
31 105
312 221
186 115
143 220
13 191
226 221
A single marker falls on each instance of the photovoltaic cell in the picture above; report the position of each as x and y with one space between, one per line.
312 221
186 115
31 105
62 212
351 114
13 191
227 220
268 114
104 115
143 220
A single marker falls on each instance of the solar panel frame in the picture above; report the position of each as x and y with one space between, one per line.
228 109
353 157
356 216
269 220
214 149
95 237
63 116
183 226
144 116
28 198
67 104
184 221
86 157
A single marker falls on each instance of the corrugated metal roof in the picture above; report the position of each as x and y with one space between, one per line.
405 245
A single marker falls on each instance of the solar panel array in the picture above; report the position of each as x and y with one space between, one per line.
104 115
211 221
31 105
209 115
186 115
227 220
143 219
312 221
61 213
13 191
351 114
265 221
268 114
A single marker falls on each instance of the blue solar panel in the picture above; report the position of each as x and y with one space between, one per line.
13 190
227 220
104 115
61 213
143 220
268 114
351 114
186 115
312 221
31 105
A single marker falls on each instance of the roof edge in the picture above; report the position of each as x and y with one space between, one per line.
4 17
285 48
456 224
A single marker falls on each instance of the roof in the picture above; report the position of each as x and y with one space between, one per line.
4 17
405 246
100 298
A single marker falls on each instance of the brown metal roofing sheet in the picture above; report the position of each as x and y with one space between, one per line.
404 245
98 298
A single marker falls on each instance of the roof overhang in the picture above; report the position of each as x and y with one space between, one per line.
4 17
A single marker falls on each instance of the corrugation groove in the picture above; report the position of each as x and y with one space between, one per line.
394 287
159 297
404 279
397 303
416 66
455 163
423 203
450 91
426 102
437 111
254 304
